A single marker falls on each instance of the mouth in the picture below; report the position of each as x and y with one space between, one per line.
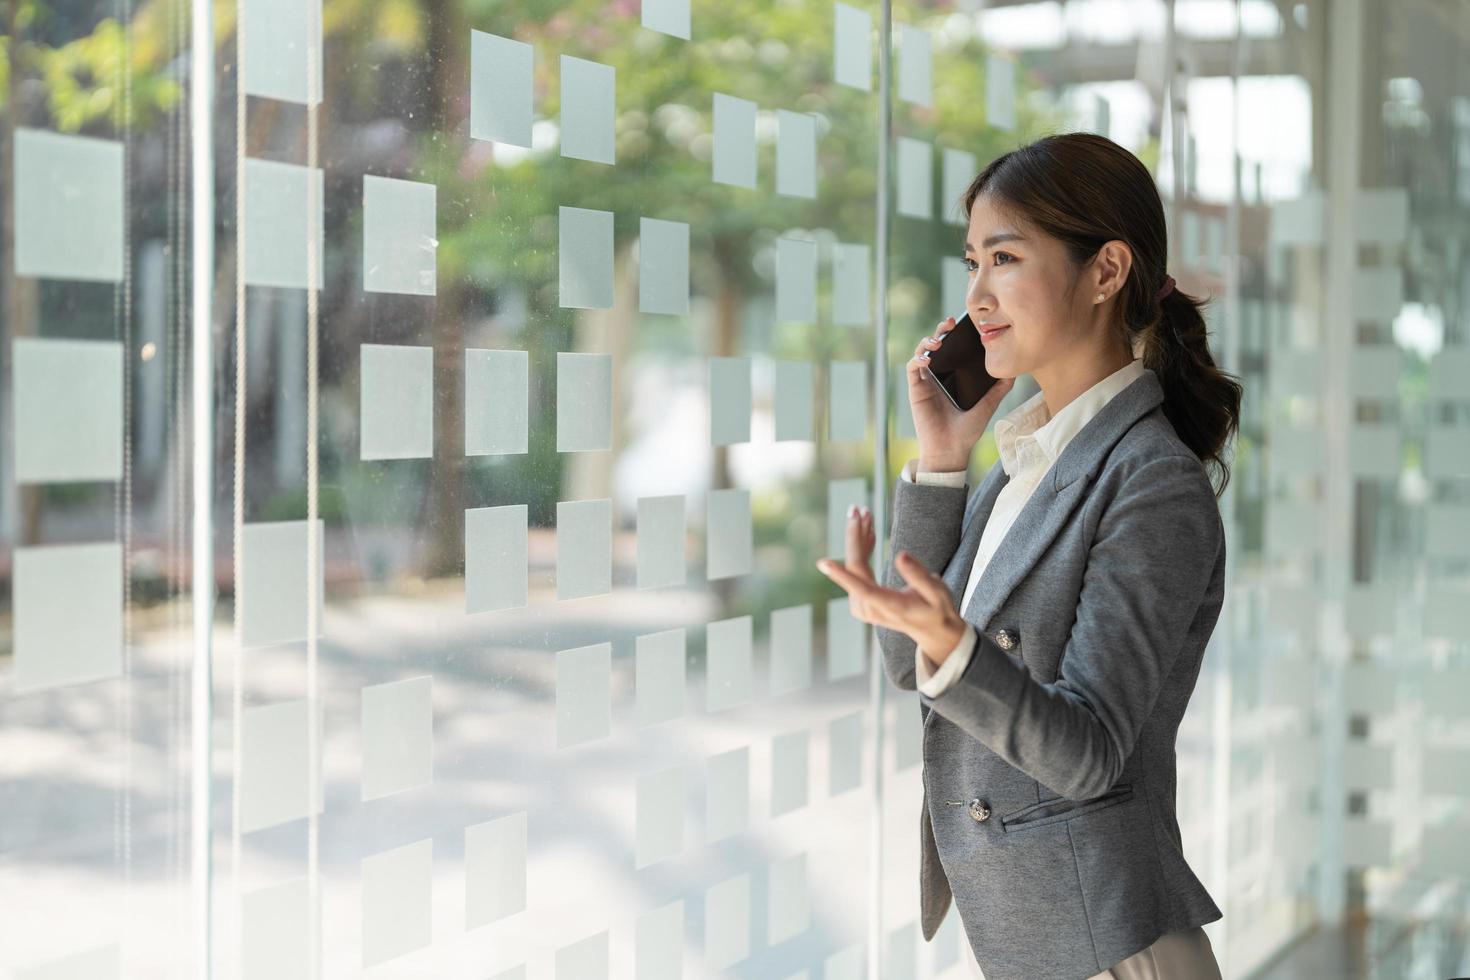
990 332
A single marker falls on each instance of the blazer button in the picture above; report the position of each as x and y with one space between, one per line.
980 810
1005 639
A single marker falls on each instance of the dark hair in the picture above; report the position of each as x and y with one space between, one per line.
1086 191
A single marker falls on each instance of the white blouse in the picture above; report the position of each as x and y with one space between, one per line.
1029 441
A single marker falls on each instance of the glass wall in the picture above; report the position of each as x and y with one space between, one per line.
95 644
545 368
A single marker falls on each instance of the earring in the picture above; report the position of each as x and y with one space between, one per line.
1100 297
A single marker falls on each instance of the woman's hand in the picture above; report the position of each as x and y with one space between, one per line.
946 435
925 611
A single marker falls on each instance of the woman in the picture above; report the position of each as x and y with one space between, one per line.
1089 573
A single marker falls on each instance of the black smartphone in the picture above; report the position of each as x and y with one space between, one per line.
958 365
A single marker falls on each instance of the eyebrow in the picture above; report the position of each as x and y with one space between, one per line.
1005 236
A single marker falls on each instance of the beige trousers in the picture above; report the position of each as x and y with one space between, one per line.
1183 955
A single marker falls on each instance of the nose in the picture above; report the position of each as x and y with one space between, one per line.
978 298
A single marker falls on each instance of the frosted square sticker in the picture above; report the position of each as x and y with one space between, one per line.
588 105
275 932
583 402
659 943
660 676
583 694
956 284
275 773
900 954
397 736
727 794
845 753
796 279
851 283
840 494
852 47
496 556
727 667
495 869
660 816
727 922
496 402
848 401
788 772
846 641
915 178
68 410
794 396
500 89
728 534
583 548
1000 92
585 959
667 17
397 896
661 530
282 237
68 603
791 649
734 150
960 168
396 394
68 206
272 596
729 400
281 57
903 412
400 243
787 912
586 258
663 266
796 153
845 964
915 65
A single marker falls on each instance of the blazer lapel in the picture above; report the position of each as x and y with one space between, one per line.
1050 504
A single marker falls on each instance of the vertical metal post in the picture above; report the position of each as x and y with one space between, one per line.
1337 340
877 676
201 152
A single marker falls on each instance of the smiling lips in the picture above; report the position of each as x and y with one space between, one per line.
987 335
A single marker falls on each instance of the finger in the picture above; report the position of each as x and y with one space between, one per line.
859 549
867 590
924 582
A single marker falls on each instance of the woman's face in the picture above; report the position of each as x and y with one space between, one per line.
1021 277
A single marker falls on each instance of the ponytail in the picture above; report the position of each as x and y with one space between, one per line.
1201 401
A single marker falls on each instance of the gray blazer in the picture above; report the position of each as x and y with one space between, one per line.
1049 770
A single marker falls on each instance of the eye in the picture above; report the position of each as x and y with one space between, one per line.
1007 255
971 264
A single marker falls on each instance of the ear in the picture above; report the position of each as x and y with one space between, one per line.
1111 266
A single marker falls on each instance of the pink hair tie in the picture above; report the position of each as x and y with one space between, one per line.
1165 289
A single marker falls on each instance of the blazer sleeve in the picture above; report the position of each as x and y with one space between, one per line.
928 520
1147 573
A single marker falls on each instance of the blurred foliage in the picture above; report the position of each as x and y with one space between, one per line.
89 75
397 87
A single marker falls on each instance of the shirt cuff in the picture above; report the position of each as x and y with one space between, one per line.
938 478
936 683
